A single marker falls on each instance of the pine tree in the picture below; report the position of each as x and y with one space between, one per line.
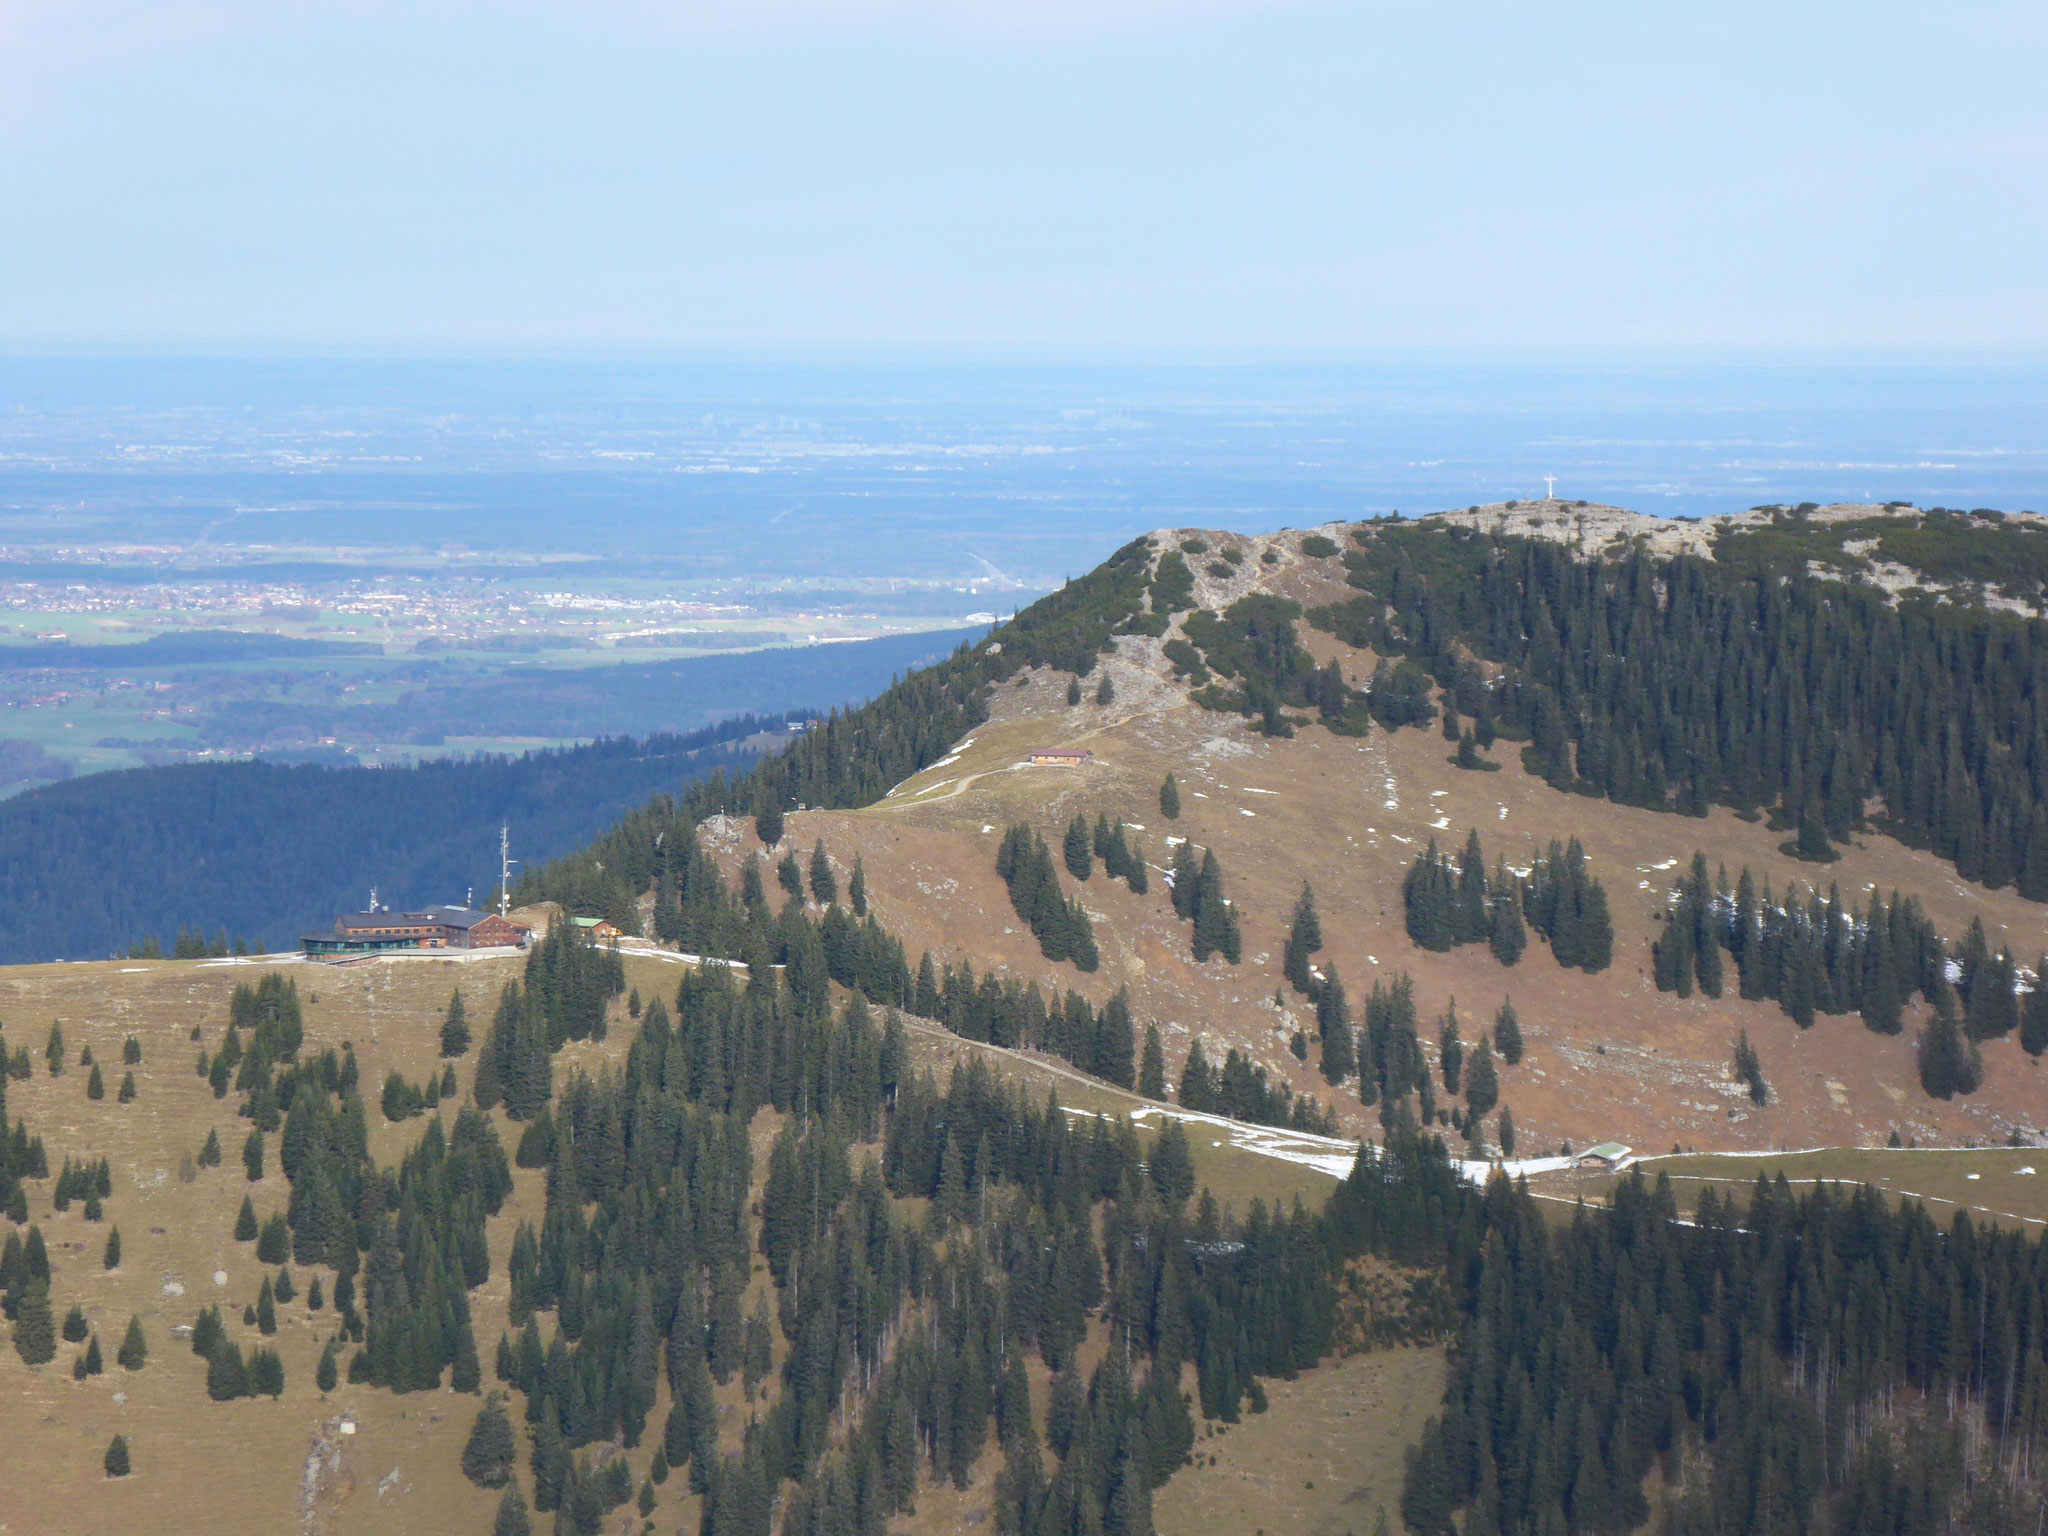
252 1157
1749 1070
488 1455
266 1309
824 884
226 1375
1073 692
466 1374
857 888
1152 1070
1949 1060
1079 858
455 1027
111 1258
209 1154
35 1333
1507 1033
768 821
245 1222
1451 1051
1186 880
96 1084
1333 1024
1506 936
2034 1016
326 1375
512 1518
134 1350
94 1362
116 1460
75 1325
1169 799
1171 1167
1482 1082
1304 938
1506 1131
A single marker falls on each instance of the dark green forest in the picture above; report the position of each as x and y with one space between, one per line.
1682 683
270 851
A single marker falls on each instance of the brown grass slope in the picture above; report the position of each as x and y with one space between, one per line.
1609 1057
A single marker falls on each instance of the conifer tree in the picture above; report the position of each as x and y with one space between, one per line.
1506 934
327 1374
35 1333
1451 1050
857 888
1333 1024
1949 1060
53 1053
2034 1015
96 1084
1507 1033
512 1518
1079 860
134 1350
266 1309
94 1362
1749 1070
252 1157
824 884
1482 1082
209 1154
1073 692
1197 1081
789 875
1506 1131
1169 799
245 1222
111 1258
1152 1068
1171 1167
455 1027
1186 879
75 1325
226 1375
491 1449
1304 938
768 821
116 1459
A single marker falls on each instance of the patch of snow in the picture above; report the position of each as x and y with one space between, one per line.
1250 791
220 1277
1441 823
1243 812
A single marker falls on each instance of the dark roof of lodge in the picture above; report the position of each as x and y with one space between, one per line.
464 918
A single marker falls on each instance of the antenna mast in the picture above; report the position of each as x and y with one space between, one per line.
1550 487
505 862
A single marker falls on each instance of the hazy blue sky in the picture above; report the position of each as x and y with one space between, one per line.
1068 175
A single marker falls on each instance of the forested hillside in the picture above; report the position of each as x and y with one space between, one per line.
707 1243
265 851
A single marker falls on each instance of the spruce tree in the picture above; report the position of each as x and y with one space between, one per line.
1333 1024
111 1258
1152 1069
1169 799
824 884
1506 934
326 1375
1304 938
1482 1082
2034 1015
252 1157
35 1332
116 1459
226 1375
857 888
209 1154
455 1027
1506 1131
1948 1059
512 1518
488 1455
134 1350
1171 1168
75 1325
1451 1051
1073 692
94 1362
1507 1033
1077 852
768 822
1186 880
96 1084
